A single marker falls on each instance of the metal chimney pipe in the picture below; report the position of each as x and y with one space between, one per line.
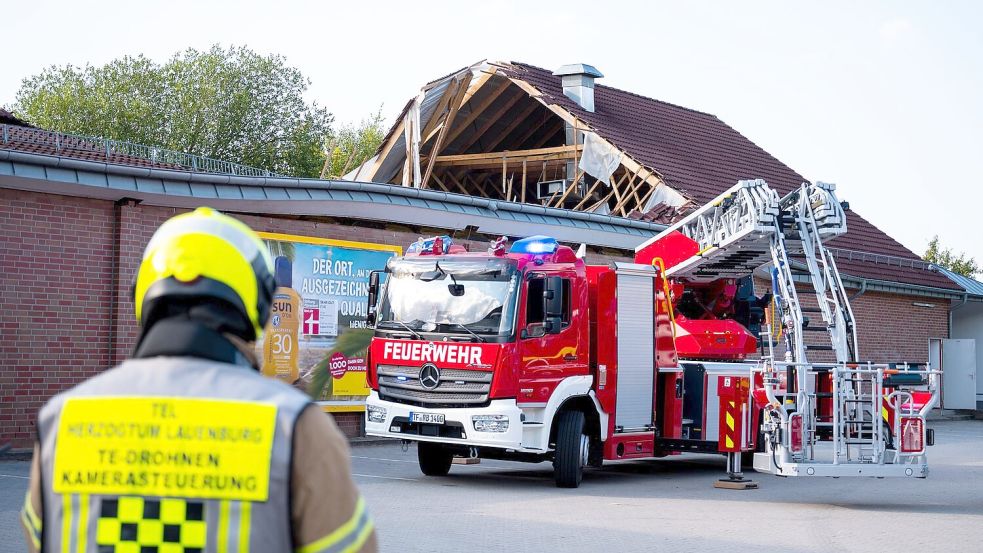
578 83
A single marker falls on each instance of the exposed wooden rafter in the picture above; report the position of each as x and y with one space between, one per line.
384 153
492 119
532 130
546 138
454 105
450 176
594 187
622 200
478 109
519 118
439 112
559 202
510 154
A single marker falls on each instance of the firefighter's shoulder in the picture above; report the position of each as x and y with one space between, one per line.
329 513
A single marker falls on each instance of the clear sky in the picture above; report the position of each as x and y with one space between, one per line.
883 98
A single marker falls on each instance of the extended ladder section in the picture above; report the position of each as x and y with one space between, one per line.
733 234
809 215
748 226
823 418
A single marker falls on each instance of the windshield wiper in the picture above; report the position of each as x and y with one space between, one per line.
407 327
469 331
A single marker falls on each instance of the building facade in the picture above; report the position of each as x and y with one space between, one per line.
76 214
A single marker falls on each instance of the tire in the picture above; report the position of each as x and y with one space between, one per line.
572 447
435 459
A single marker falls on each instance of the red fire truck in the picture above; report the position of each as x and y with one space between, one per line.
527 353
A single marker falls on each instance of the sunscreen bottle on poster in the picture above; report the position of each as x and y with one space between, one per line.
281 359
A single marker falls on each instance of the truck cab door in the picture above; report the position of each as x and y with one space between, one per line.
551 340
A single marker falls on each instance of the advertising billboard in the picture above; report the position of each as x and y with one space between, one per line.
317 335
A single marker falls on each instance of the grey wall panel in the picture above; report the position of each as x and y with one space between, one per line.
636 357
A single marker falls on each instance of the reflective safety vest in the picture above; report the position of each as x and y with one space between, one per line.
169 455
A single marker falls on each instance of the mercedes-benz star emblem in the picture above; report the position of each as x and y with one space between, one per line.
429 376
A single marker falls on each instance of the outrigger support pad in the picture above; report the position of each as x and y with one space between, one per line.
735 478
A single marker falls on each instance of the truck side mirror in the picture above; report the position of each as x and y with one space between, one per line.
373 297
553 305
534 330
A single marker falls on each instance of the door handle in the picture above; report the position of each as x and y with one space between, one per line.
569 357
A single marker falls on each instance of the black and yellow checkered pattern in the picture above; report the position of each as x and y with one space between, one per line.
146 525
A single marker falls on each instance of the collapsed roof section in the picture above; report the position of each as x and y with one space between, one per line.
485 131
515 132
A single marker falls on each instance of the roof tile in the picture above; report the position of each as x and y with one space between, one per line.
701 156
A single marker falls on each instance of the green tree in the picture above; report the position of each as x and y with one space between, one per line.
231 104
944 257
282 248
352 145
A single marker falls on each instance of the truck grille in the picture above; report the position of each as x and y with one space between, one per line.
457 387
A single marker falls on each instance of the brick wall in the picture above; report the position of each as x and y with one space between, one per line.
894 328
55 266
890 327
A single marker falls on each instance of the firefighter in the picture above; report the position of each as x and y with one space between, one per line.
186 447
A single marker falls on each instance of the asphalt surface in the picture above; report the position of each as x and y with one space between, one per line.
661 505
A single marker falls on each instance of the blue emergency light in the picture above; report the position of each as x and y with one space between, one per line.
426 246
535 245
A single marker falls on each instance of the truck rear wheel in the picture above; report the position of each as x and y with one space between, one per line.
435 459
572 449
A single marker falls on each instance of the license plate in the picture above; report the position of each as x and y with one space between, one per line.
428 418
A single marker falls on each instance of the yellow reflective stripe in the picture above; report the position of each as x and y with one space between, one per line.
352 525
35 534
223 527
31 521
28 511
66 522
245 523
83 523
361 539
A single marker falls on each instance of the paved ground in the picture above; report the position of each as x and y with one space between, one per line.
666 505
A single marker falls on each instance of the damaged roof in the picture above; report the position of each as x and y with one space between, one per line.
701 156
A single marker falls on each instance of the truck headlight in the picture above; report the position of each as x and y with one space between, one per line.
376 414
490 423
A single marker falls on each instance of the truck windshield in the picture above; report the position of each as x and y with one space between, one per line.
455 296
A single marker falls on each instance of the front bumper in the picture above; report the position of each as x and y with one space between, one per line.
398 413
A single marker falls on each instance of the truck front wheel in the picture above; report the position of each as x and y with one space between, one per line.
435 459
572 448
